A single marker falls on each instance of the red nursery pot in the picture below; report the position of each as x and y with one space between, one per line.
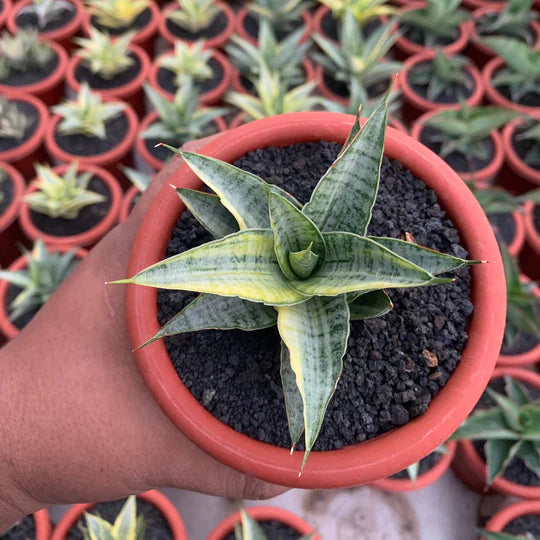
6 327
530 256
505 516
207 98
263 513
415 105
23 156
62 35
130 92
42 524
470 468
87 238
127 203
484 175
372 459
143 152
10 233
215 42
4 12
153 497
423 480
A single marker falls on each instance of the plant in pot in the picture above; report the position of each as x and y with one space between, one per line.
208 69
23 121
32 527
70 205
30 281
92 131
33 66
57 20
140 181
175 122
519 521
192 20
529 257
466 138
436 80
356 58
112 66
147 515
12 187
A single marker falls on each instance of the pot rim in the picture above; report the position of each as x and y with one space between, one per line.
369 460
516 163
42 523
6 10
533 236
503 517
11 212
127 202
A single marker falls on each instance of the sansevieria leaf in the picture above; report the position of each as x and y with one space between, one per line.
251 530
97 528
293 399
370 305
488 535
125 525
499 453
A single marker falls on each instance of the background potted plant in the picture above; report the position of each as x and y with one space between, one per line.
33 527
532 245
140 182
515 521
12 187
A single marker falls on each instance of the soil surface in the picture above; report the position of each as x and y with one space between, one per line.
23 530
216 27
386 379
6 188
25 78
523 342
33 116
139 23
522 147
341 88
418 36
29 20
536 217
157 527
529 36
504 226
530 99
251 26
274 530
96 81
529 523
425 465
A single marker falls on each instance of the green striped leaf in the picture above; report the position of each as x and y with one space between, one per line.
293 234
430 260
209 212
488 535
353 263
209 311
97 528
370 305
125 525
345 195
242 264
251 530
485 424
499 453
528 453
293 399
315 333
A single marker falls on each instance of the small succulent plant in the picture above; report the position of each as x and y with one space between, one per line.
105 56
249 529
511 428
531 133
47 11
23 52
116 13
439 20
309 269
62 196
188 61
138 178
194 15
414 469
444 73
489 535
44 273
182 119
358 58
364 11
87 115
494 200
127 525
13 121
284 56
281 14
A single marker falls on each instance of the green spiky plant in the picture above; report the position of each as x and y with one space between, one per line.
358 58
182 119
116 13
414 469
87 115
281 14
104 55
249 529
138 178
284 56
23 53
188 61
309 269
47 11
13 121
44 273
513 21
126 526
511 428
495 200
531 133
194 15
364 11
489 535
62 196
442 74
439 20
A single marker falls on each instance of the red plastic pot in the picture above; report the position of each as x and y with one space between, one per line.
207 98
42 524
10 234
263 513
143 152
505 516
24 156
62 35
6 8
6 327
423 480
87 238
484 175
130 92
153 497
215 42
469 466
369 460
127 203
530 255
241 31
415 105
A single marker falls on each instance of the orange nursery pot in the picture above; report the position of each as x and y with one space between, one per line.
530 256
423 480
505 516
10 233
5 9
155 498
358 463
469 466
87 238
263 513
